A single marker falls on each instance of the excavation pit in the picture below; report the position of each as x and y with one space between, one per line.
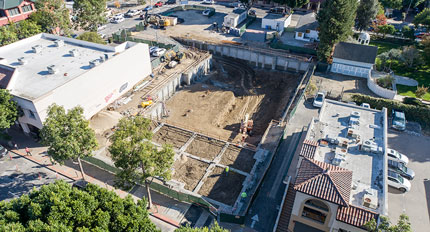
223 187
204 147
189 171
238 158
173 136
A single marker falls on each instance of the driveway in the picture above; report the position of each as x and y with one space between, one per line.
416 202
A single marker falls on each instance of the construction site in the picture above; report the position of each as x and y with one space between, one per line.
221 116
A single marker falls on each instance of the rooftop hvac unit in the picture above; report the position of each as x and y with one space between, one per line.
74 52
355 114
59 43
94 63
52 69
107 56
22 61
370 198
37 48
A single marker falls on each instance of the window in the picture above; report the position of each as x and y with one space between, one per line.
2 13
300 34
31 114
26 8
308 31
14 11
317 204
314 215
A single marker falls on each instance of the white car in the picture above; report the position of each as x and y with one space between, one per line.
119 15
206 12
158 52
101 27
397 156
117 19
319 99
208 2
365 105
398 182
152 49
132 13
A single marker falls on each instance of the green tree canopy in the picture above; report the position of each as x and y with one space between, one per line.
408 33
214 228
386 29
136 157
68 135
91 36
89 14
7 35
52 14
395 4
426 54
423 18
403 225
60 207
336 20
27 28
366 13
8 109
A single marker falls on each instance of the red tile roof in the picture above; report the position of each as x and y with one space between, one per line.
308 149
287 208
354 215
325 181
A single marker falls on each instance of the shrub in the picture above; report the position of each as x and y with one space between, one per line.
413 101
412 113
421 91
386 82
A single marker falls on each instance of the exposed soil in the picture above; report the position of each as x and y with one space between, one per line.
189 171
217 106
222 187
238 158
205 147
170 135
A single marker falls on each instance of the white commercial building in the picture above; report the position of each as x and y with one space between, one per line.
46 69
235 18
276 22
307 28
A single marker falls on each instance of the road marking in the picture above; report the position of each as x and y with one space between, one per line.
254 220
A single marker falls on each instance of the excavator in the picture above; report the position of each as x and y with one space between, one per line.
173 58
147 101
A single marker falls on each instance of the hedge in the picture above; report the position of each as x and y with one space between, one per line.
412 113
301 50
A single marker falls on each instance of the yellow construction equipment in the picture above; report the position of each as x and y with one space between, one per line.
146 102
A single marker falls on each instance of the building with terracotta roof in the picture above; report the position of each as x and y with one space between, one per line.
341 178
45 69
15 10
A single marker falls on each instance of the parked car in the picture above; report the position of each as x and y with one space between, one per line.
319 100
208 2
101 27
397 156
3 151
147 8
398 182
399 120
158 4
117 19
235 4
158 52
401 169
277 10
119 15
152 49
207 12
422 35
365 105
132 13
170 2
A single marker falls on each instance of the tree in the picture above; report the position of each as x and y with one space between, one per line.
421 91
91 36
7 35
214 228
403 225
27 28
386 29
366 13
61 207
292 3
89 14
387 58
136 157
68 135
423 18
8 109
395 4
408 33
410 55
426 44
52 15
336 20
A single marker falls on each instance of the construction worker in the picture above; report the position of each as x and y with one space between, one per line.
27 151
243 195
227 169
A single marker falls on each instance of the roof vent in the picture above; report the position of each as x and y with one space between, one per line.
52 69
37 48
74 52
95 62
355 114
59 43
22 61
370 198
107 56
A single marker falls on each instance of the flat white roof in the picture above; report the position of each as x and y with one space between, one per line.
336 122
32 79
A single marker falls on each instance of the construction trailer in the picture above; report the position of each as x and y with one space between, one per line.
233 19
276 22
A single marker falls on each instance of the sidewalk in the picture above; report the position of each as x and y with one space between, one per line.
39 156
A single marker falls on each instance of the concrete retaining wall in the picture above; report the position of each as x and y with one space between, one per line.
260 58
378 90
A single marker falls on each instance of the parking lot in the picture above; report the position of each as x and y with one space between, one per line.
416 202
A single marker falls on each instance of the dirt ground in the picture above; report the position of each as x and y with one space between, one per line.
217 106
221 187
204 147
238 158
333 84
170 135
189 171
